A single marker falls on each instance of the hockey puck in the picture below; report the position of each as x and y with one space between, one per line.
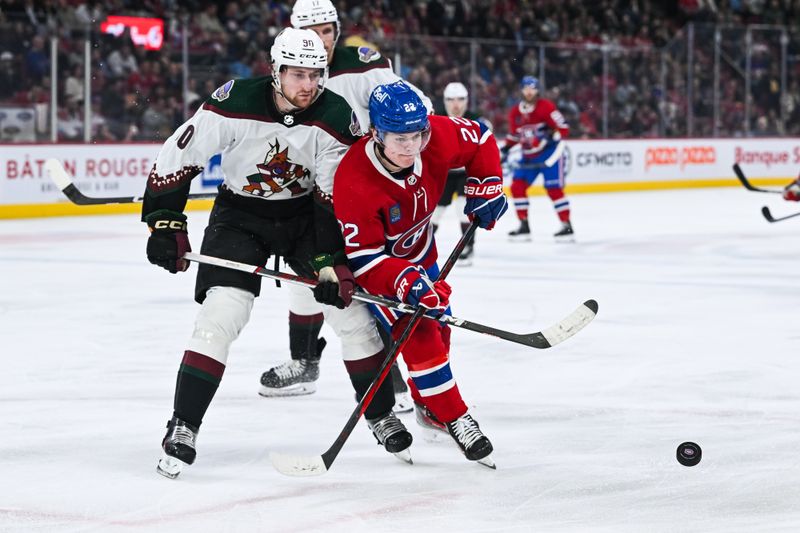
689 454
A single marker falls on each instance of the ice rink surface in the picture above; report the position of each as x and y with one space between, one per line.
697 339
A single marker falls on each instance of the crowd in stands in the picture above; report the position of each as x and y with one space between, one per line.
487 44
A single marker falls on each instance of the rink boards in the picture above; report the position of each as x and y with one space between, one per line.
590 166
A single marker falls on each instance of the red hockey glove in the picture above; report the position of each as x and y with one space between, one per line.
336 283
486 200
416 288
792 191
168 240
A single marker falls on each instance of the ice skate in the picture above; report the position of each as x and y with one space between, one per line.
565 234
293 378
390 433
522 233
427 419
465 259
475 445
178 448
402 400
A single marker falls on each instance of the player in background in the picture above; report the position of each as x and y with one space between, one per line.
386 188
281 138
353 73
792 191
540 129
456 101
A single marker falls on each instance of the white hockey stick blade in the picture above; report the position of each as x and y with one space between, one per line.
57 173
572 324
298 465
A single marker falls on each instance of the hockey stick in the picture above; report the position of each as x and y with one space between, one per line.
62 180
298 465
568 327
749 186
770 218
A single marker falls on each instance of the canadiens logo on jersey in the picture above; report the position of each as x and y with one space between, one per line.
223 92
277 173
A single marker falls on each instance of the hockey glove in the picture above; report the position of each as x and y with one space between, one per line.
336 283
486 200
792 191
168 240
416 288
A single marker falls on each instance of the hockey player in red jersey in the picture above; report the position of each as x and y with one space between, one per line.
385 191
792 191
540 129
353 72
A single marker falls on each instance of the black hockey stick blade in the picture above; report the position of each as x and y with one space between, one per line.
749 186
314 465
62 180
770 218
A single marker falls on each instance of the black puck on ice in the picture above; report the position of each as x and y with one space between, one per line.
689 454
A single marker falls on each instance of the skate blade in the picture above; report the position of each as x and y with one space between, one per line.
169 466
565 239
487 462
301 389
520 238
405 456
402 403
466 262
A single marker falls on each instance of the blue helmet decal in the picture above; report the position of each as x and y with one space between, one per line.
395 108
529 81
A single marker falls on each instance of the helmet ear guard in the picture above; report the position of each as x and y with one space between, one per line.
298 48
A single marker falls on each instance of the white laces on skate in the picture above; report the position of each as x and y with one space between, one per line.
291 369
183 435
386 426
466 430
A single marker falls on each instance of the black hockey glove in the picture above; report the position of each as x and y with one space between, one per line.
336 283
168 240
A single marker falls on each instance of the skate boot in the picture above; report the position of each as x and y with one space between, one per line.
522 233
565 234
465 259
475 445
178 448
402 400
390 433
427 419
292 378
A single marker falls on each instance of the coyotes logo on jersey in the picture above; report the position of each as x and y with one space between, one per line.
277 172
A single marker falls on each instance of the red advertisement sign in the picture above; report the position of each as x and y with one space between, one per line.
146 32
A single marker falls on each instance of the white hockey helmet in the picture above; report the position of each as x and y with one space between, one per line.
455 90
298 48
312 12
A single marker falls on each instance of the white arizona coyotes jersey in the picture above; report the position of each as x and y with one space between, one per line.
266 154
355 72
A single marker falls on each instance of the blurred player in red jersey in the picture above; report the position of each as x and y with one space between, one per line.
385 192
540 129
792 191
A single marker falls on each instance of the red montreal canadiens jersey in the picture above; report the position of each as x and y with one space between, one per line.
386 221
528 125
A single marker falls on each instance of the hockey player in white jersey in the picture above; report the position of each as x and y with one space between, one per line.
353 74
281 138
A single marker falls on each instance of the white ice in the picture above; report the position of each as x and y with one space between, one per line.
697 339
